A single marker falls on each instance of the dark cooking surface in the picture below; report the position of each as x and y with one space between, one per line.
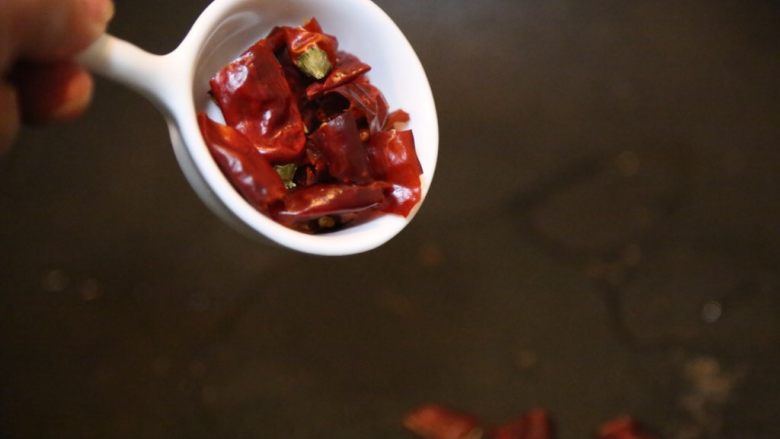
602 238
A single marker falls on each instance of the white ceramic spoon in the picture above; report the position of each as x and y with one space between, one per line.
177 84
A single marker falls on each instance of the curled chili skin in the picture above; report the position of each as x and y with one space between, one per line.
433 421
309 203
299 39
366 102
251 174
339 141
333 138
623 428
393 158
346 68
395 118
255 99
437 422
534 424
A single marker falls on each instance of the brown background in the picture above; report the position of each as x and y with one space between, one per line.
601 238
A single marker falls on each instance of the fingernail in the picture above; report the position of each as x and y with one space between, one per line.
76 98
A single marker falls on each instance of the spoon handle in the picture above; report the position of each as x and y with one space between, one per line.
127 64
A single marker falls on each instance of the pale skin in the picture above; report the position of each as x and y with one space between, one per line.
39 80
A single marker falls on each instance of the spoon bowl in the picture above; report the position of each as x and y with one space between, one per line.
178 84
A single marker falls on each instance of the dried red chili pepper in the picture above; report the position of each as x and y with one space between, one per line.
300 39
347 68
534 424
255 99
251 174
339 202
623 427
310 110
339 141
366 102
394 159
437 422
395 118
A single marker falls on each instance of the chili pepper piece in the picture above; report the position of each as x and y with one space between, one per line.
316 167
393 158
437 422
255 98
366 101
297 80
251 174
534 424
347 68
624 427
291 43
339 141
323 109
297 40
306 204
395 118
313 25
539 425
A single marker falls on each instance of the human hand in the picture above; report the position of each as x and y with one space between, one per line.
39 80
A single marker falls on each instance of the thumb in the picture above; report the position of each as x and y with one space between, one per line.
47 30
